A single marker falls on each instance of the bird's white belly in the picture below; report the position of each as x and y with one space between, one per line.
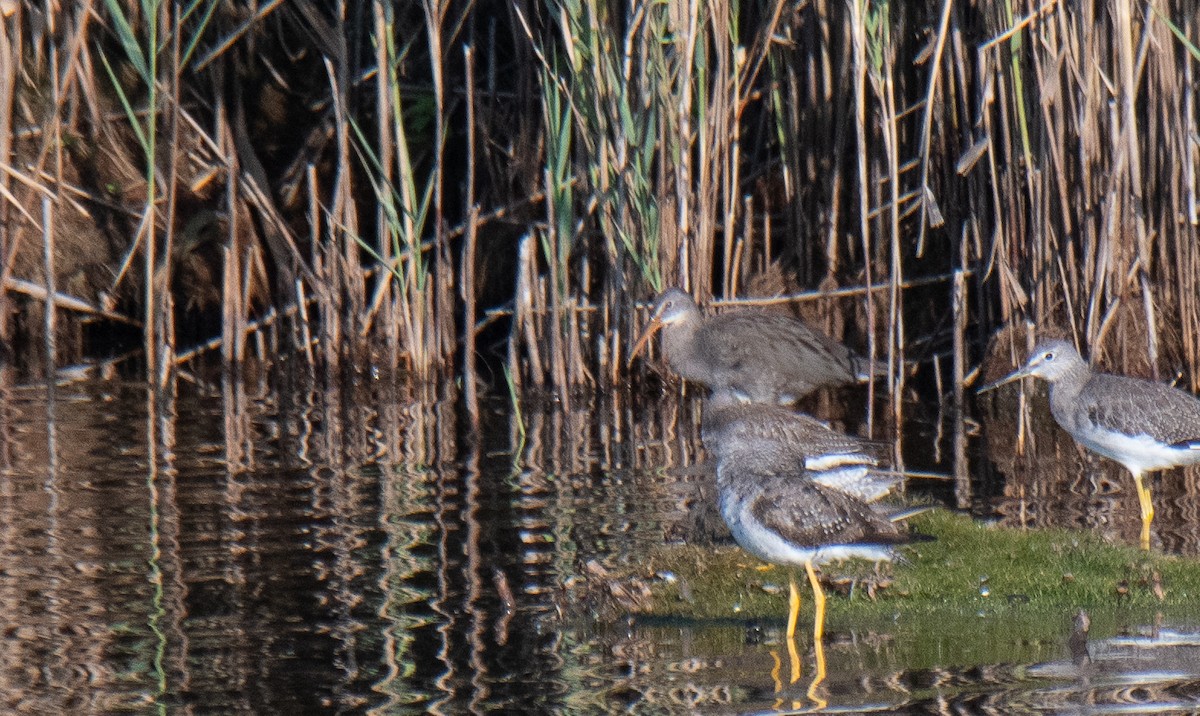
767 545
1138 453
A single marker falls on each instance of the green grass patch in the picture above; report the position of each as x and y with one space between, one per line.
994 584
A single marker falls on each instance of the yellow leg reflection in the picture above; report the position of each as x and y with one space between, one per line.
794 662
793 653
818 636
775 671
1147 508
794 658
818 677
775 678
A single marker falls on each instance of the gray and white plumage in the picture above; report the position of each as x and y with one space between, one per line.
764 357
784 518
1142 424
770 438
779 508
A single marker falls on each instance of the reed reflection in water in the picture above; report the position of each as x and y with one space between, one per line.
262 543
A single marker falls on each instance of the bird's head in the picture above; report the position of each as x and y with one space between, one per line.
1050 360
672 307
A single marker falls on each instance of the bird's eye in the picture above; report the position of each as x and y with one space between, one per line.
1048 356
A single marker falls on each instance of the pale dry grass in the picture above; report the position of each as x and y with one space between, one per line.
1011 161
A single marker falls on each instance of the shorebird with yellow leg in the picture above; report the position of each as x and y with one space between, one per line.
1143 425
762 357
780 476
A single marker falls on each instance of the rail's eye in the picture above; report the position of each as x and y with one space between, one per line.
1048 356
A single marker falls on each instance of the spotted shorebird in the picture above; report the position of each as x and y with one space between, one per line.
792 492
793 441
1143 425
762 357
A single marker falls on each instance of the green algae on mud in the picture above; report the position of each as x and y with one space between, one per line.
968 569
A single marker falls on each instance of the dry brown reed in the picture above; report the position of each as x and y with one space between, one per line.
380 189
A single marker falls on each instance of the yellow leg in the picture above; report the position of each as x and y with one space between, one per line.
818 602
1147 507
793 654
793 608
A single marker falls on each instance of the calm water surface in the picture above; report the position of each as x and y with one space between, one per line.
257 545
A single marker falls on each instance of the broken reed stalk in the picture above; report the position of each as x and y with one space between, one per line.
233 310
164 318
387 292
1133 189
859 105
255 328
403 198
9 58
523 338
142 53
441 338
467 290
50 323
555 237
926 136
65 301
882 55
304 328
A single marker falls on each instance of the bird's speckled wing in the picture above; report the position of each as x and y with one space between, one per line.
796 435
771 439
1140 407
808 514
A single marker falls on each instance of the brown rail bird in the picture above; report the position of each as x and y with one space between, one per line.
1143 425
761 357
